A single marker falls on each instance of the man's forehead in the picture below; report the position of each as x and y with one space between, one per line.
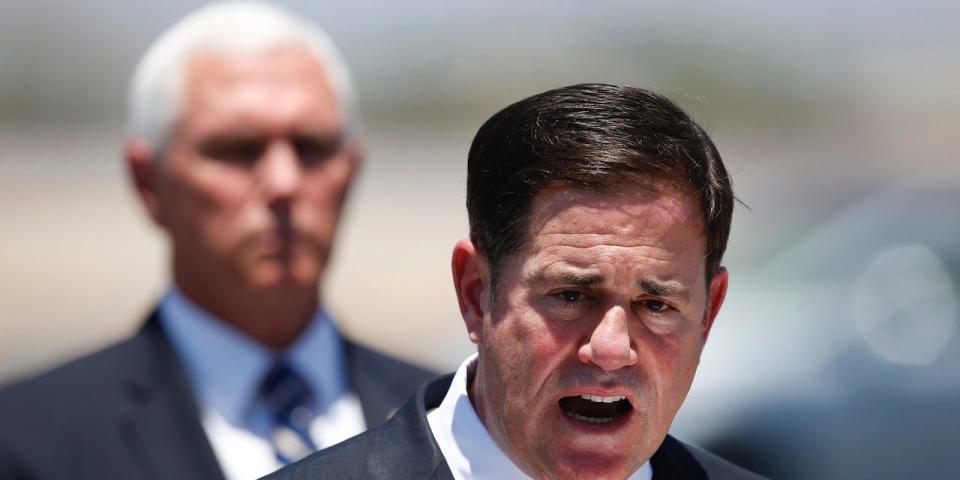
565 209
281 86
279 62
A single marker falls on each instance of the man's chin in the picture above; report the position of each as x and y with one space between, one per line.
593 451
277 275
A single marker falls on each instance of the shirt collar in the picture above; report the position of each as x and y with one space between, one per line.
470 451
225 366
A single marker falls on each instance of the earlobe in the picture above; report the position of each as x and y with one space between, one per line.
141 168
718 291
471 280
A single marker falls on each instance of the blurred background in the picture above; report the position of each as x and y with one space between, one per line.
837 353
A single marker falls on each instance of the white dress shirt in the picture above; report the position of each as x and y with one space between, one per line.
465 443
225 368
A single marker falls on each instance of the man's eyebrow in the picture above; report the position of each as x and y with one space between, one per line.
664 289
570 278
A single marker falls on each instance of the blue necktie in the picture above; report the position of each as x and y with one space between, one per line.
288 398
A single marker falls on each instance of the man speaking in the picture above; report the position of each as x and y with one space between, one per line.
243 145
599 215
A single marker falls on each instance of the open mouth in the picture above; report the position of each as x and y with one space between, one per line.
595 409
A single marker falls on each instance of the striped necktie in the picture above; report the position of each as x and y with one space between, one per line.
290 401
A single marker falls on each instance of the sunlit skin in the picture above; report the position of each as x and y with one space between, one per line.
608 297
250 187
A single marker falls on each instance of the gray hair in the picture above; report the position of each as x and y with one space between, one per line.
242 27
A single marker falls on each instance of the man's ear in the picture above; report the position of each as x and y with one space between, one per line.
471 279
718 291
352 155
142 168
356 151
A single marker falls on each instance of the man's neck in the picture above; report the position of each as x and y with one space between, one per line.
272 317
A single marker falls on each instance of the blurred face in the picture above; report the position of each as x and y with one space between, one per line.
255 172
595 334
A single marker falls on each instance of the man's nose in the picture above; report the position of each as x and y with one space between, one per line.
609 346
280 171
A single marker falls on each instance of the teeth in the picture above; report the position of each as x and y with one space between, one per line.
599 399
598 420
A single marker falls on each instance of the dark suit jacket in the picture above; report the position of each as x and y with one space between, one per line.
128 412
404 448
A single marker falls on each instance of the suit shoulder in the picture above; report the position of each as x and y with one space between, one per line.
718 468
74 379
71 403
342 461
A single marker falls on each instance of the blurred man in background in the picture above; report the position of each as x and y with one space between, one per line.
243 146
599 216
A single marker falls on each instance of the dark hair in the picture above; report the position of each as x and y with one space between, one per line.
594 137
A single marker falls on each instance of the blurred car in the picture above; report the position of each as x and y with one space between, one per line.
843 360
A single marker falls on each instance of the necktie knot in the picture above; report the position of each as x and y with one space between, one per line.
285 392
290 401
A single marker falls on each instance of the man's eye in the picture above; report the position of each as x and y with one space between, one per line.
234 150
655 305
570 296
313 151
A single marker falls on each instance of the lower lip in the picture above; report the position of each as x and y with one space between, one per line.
608 426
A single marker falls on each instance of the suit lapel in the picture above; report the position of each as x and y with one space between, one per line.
379 385
160 423
404 447
672 461
368 384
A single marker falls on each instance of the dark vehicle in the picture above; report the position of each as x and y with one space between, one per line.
851 347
